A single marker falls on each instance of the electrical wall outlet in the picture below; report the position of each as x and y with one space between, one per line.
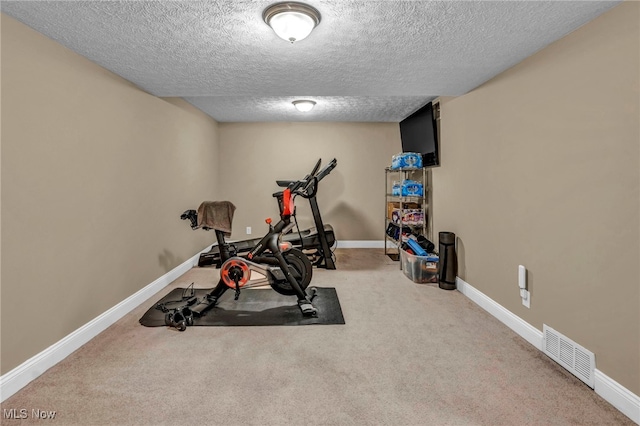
248 230
526 298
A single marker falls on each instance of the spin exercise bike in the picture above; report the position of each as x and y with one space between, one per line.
286 269
315 242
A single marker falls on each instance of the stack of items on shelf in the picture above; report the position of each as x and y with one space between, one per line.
410 214
407 218
406 160
407 188
407 213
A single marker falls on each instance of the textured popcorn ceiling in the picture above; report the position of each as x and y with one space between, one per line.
366 61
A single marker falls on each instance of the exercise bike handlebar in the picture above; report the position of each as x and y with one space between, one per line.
327 169
312 183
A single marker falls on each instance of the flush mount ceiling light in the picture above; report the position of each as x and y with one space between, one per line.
291 21
304 105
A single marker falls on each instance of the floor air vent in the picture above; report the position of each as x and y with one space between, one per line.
579 361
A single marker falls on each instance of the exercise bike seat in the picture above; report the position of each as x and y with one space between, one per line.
285 183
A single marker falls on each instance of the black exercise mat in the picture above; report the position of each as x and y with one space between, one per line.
254 307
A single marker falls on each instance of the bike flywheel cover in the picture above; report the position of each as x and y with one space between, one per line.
235 268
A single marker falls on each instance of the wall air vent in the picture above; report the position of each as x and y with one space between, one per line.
579 361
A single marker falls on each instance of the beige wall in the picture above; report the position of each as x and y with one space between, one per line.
351 198
540 167
95 175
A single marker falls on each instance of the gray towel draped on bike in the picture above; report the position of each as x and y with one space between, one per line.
216 215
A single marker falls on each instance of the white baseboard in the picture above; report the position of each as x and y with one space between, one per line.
19 377
620 397
617 395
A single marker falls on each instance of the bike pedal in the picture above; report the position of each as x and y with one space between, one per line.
176 320
188 316
308 310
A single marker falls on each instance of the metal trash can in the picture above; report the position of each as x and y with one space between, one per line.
448 261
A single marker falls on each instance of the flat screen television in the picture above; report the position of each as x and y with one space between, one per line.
419 133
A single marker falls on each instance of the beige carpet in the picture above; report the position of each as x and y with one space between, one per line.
409 354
